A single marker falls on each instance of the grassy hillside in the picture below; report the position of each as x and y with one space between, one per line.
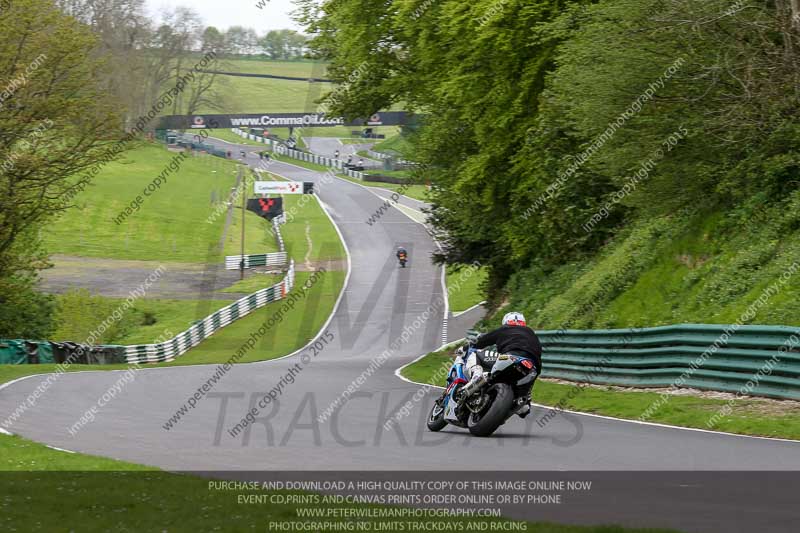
395 143
258 95
170 222
702 266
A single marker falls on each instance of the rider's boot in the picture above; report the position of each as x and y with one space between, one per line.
523 406
524 401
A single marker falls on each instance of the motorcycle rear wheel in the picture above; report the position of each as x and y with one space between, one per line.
436 421
487 422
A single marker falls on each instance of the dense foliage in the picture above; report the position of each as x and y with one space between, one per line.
554 128
56 123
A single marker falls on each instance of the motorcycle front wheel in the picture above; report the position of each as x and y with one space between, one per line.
436 421
486 422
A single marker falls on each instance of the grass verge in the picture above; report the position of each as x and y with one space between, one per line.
417 192
228 135
258 238
748 416
469 292
309 237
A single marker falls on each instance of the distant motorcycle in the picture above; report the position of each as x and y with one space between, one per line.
484 405
402 258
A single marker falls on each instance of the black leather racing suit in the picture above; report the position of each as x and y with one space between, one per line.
515 340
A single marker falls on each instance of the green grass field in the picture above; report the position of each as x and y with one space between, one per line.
749 417
258 238
299 326
263 95
171 222
253 283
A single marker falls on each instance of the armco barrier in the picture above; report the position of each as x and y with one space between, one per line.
233 262
169 350
281 258
753 360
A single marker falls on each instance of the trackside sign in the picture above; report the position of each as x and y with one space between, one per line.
266 120
280 187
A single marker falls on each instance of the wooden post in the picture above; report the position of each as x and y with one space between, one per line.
243 183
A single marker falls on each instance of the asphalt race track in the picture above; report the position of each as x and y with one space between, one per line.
379 301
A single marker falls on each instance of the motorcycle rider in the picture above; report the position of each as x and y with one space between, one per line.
514 337
401 252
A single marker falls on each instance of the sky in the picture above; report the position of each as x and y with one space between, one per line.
226 13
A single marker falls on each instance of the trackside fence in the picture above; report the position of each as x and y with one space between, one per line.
37 352
180 344
752 360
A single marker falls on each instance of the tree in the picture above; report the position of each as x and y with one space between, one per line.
237 39
516 92
123 32
203 91
296 42
213 39
273 44
57 122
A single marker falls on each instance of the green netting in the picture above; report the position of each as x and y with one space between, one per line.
20 352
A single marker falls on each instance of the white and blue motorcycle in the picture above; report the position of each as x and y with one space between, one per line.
485 404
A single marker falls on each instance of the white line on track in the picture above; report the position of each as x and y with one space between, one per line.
468 310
